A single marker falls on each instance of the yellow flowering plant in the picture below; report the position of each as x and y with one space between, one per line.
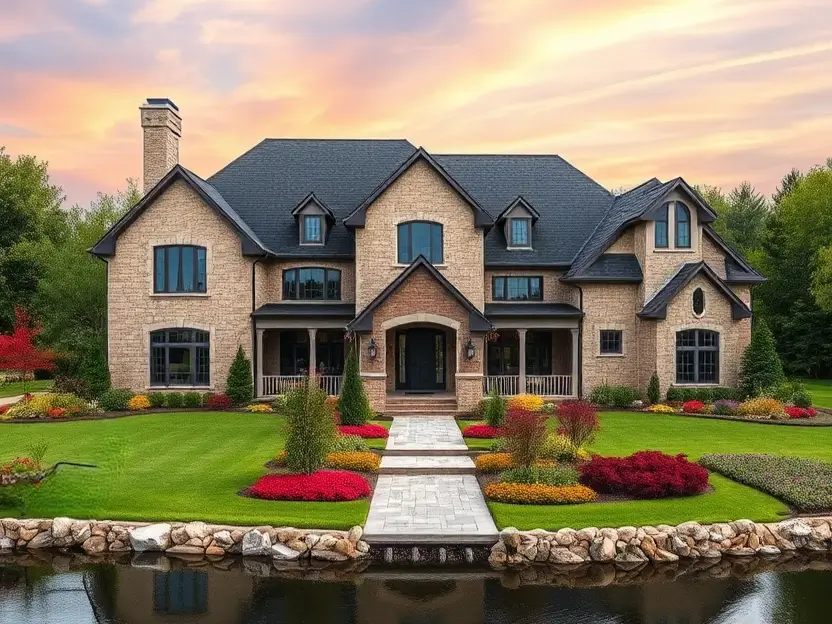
138 402
538 494
530 402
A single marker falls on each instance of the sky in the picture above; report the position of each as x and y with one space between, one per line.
715 91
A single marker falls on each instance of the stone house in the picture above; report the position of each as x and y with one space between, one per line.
453 274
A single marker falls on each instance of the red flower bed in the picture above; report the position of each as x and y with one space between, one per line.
4 408
219 402
482 431
693 407
801 412
646 474
324 485
364 431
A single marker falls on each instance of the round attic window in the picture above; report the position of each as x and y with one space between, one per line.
698 302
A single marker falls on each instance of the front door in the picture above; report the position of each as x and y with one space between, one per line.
420 359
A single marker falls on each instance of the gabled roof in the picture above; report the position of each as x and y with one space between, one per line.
519 201
656 308
312 199
737 270
611 267
364 320
251 244
629 208
357 217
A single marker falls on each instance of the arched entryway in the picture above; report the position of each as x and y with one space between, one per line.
421 353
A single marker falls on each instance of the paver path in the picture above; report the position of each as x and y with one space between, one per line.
415 508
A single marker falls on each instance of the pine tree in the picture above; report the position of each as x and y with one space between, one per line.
761 366
239 384
654 392
354 404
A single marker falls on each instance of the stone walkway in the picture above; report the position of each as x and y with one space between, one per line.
422 506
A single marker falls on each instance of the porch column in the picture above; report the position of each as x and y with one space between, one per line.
574 362
521 334
313 353
258 366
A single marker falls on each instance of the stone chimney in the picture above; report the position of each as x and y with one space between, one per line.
162 126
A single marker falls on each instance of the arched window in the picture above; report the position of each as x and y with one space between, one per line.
660 227
697 357
698 302
180 357
309 284
420 238
682 226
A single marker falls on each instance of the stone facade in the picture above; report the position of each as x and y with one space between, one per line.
162 127
554 291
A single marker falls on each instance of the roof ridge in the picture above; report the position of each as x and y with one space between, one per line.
345 139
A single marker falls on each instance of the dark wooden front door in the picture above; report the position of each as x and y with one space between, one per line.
420 359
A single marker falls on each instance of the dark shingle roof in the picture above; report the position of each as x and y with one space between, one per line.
737 270
656 308
503 310
612 267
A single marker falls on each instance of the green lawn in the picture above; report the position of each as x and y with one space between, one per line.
15 388
623 433
821 390
182 466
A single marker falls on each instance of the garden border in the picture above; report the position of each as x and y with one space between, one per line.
126 413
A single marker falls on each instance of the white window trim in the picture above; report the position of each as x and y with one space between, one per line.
704 303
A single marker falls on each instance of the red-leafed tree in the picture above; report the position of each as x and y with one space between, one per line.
18 351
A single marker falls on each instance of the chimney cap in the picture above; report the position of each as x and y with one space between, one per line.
161 102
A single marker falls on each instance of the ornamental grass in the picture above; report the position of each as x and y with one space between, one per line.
364 431
538 494
482 431
323 485
530 402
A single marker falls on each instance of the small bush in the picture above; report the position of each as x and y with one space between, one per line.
495 409
644 475
549 408
560 448
353 404
693 407
578 421
723 407
357 461
547 475
259 408
661 408
805 484
239 385
493 462
139 402
802 398
482 431
607 395
192 399
525 433
115 400
498 445
311 429
761 406
219 402
538 494
175 400
368 431
761 366
156 399
654 392
279 403
801 412
323 485
528 402
348 444
706 395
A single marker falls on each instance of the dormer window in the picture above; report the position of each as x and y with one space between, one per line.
520 230
313 230
682 226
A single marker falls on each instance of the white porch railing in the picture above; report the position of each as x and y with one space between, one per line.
549 385
281 384
506 385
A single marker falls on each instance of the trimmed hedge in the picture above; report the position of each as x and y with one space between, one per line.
706 395
538 494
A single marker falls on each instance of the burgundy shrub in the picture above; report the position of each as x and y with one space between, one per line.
482 431
578 421
219 402
525 434
646 474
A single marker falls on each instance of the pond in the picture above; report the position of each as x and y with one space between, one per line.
47 590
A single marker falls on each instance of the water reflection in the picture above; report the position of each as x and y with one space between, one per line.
158 590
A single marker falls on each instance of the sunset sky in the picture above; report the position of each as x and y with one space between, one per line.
716 91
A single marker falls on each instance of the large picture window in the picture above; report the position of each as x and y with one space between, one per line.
309 284
517 288
180 357
179 269
697 357
420 238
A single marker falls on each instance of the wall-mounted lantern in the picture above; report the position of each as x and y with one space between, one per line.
470 349
371 349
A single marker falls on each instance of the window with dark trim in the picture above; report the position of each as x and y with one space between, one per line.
179 269
682 226
520 232
611 342
660 226
417 238
510 288
180 357
313 229
697 356
698 302
312 284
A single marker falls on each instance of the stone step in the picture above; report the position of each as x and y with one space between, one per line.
427 464
420 411
426 451
412 404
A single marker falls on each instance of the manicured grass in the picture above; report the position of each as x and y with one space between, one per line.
821 390
181 466
379 443
623 433
16 388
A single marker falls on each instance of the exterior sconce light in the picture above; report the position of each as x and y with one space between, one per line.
371 348
470 349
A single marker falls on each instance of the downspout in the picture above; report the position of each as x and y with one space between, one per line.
580 343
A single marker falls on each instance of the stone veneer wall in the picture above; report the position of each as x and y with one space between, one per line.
274 280
193 538
629 546
554 291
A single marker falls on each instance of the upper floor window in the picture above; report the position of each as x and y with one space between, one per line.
517 288
697 356
520 232
180 357
420 238
312 284
682 225
179 269
313 229
660 227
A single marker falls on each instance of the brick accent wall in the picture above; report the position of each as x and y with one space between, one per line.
420 194
554 291
178 216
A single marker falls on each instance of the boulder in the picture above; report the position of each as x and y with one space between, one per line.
769 551
223 539
185 549
214 551
196 530
6 543
511 538
326 542
256 543
179 535
80 532
119 546
344 546
150 538
564 556
355 534
625 534
61 527
328 555
363 547
693 530
27 534
298 545
94 545
41 540
602 549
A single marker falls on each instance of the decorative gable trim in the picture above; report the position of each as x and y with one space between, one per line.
706 213
312 198
358 216
519 201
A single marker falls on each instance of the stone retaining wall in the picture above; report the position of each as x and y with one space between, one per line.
193 538
631 546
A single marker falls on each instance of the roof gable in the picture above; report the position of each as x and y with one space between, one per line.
364 321
358 216
519 202
312 199
656 308
737 270
251 244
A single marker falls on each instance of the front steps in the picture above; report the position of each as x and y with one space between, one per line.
420 405
427 464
